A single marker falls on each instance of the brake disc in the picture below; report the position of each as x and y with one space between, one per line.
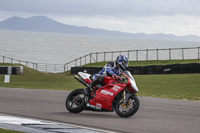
126 107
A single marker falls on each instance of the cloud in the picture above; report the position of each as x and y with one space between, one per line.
116 8
176 24
178 17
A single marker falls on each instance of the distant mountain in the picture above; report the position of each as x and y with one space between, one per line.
45 24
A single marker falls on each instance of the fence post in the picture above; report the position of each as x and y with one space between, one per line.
96 56
198 53
80 60
104 56
136 55
128 54
182 54
26 63
55 67
157 53
64 67
75 62
147 56
3 58
11 60
85 59
169 54
112 56
36 67
90 57
67 67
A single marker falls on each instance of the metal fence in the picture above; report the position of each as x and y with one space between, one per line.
43 67
133 55
137 55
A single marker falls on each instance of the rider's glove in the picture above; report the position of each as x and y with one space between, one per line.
116 77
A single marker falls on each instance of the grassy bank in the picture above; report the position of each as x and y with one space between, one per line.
9 131
147 63
175 86
33 79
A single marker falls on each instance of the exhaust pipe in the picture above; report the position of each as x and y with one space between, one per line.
80 80
92 106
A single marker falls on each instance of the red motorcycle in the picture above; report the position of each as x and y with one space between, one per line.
113 95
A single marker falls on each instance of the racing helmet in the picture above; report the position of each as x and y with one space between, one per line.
122 60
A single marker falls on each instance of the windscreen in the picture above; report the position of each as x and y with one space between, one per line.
132 80
128 74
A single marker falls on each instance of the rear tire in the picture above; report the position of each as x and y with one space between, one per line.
75 101
129 109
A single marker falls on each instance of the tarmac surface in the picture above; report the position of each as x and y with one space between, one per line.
155 115
30 125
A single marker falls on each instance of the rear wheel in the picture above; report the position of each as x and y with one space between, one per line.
129 108
75 101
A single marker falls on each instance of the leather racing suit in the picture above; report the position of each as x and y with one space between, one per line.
110 69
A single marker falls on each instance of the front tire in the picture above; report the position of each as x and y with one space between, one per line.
128 109
75 101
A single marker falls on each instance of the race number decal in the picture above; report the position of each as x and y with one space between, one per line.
106 92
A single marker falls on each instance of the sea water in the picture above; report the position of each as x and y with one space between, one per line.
58 48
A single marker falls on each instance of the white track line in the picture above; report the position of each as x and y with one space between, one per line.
18 120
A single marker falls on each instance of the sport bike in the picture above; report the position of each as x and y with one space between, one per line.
114 94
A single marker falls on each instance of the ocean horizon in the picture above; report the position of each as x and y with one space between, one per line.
57 48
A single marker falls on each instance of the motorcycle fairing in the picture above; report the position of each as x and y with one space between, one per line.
109 80
131 80
105 96
85 76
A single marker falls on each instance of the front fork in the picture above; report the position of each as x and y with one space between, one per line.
126 96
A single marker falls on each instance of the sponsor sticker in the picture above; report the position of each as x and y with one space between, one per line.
99 105
116 88
106 92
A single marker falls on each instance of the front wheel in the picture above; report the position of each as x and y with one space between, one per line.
129 108
75 101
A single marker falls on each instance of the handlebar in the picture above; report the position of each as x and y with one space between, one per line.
119 78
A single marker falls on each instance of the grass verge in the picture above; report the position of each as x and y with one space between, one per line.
174 86
9 131
148 63
33 79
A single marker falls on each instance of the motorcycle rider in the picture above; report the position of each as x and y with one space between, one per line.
113 69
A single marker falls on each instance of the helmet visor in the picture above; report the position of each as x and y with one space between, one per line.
125 63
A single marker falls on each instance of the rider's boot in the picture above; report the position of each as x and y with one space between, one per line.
90 87
88 90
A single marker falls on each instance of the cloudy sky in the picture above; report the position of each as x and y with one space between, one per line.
178 17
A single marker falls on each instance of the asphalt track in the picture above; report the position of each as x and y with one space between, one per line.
155 115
